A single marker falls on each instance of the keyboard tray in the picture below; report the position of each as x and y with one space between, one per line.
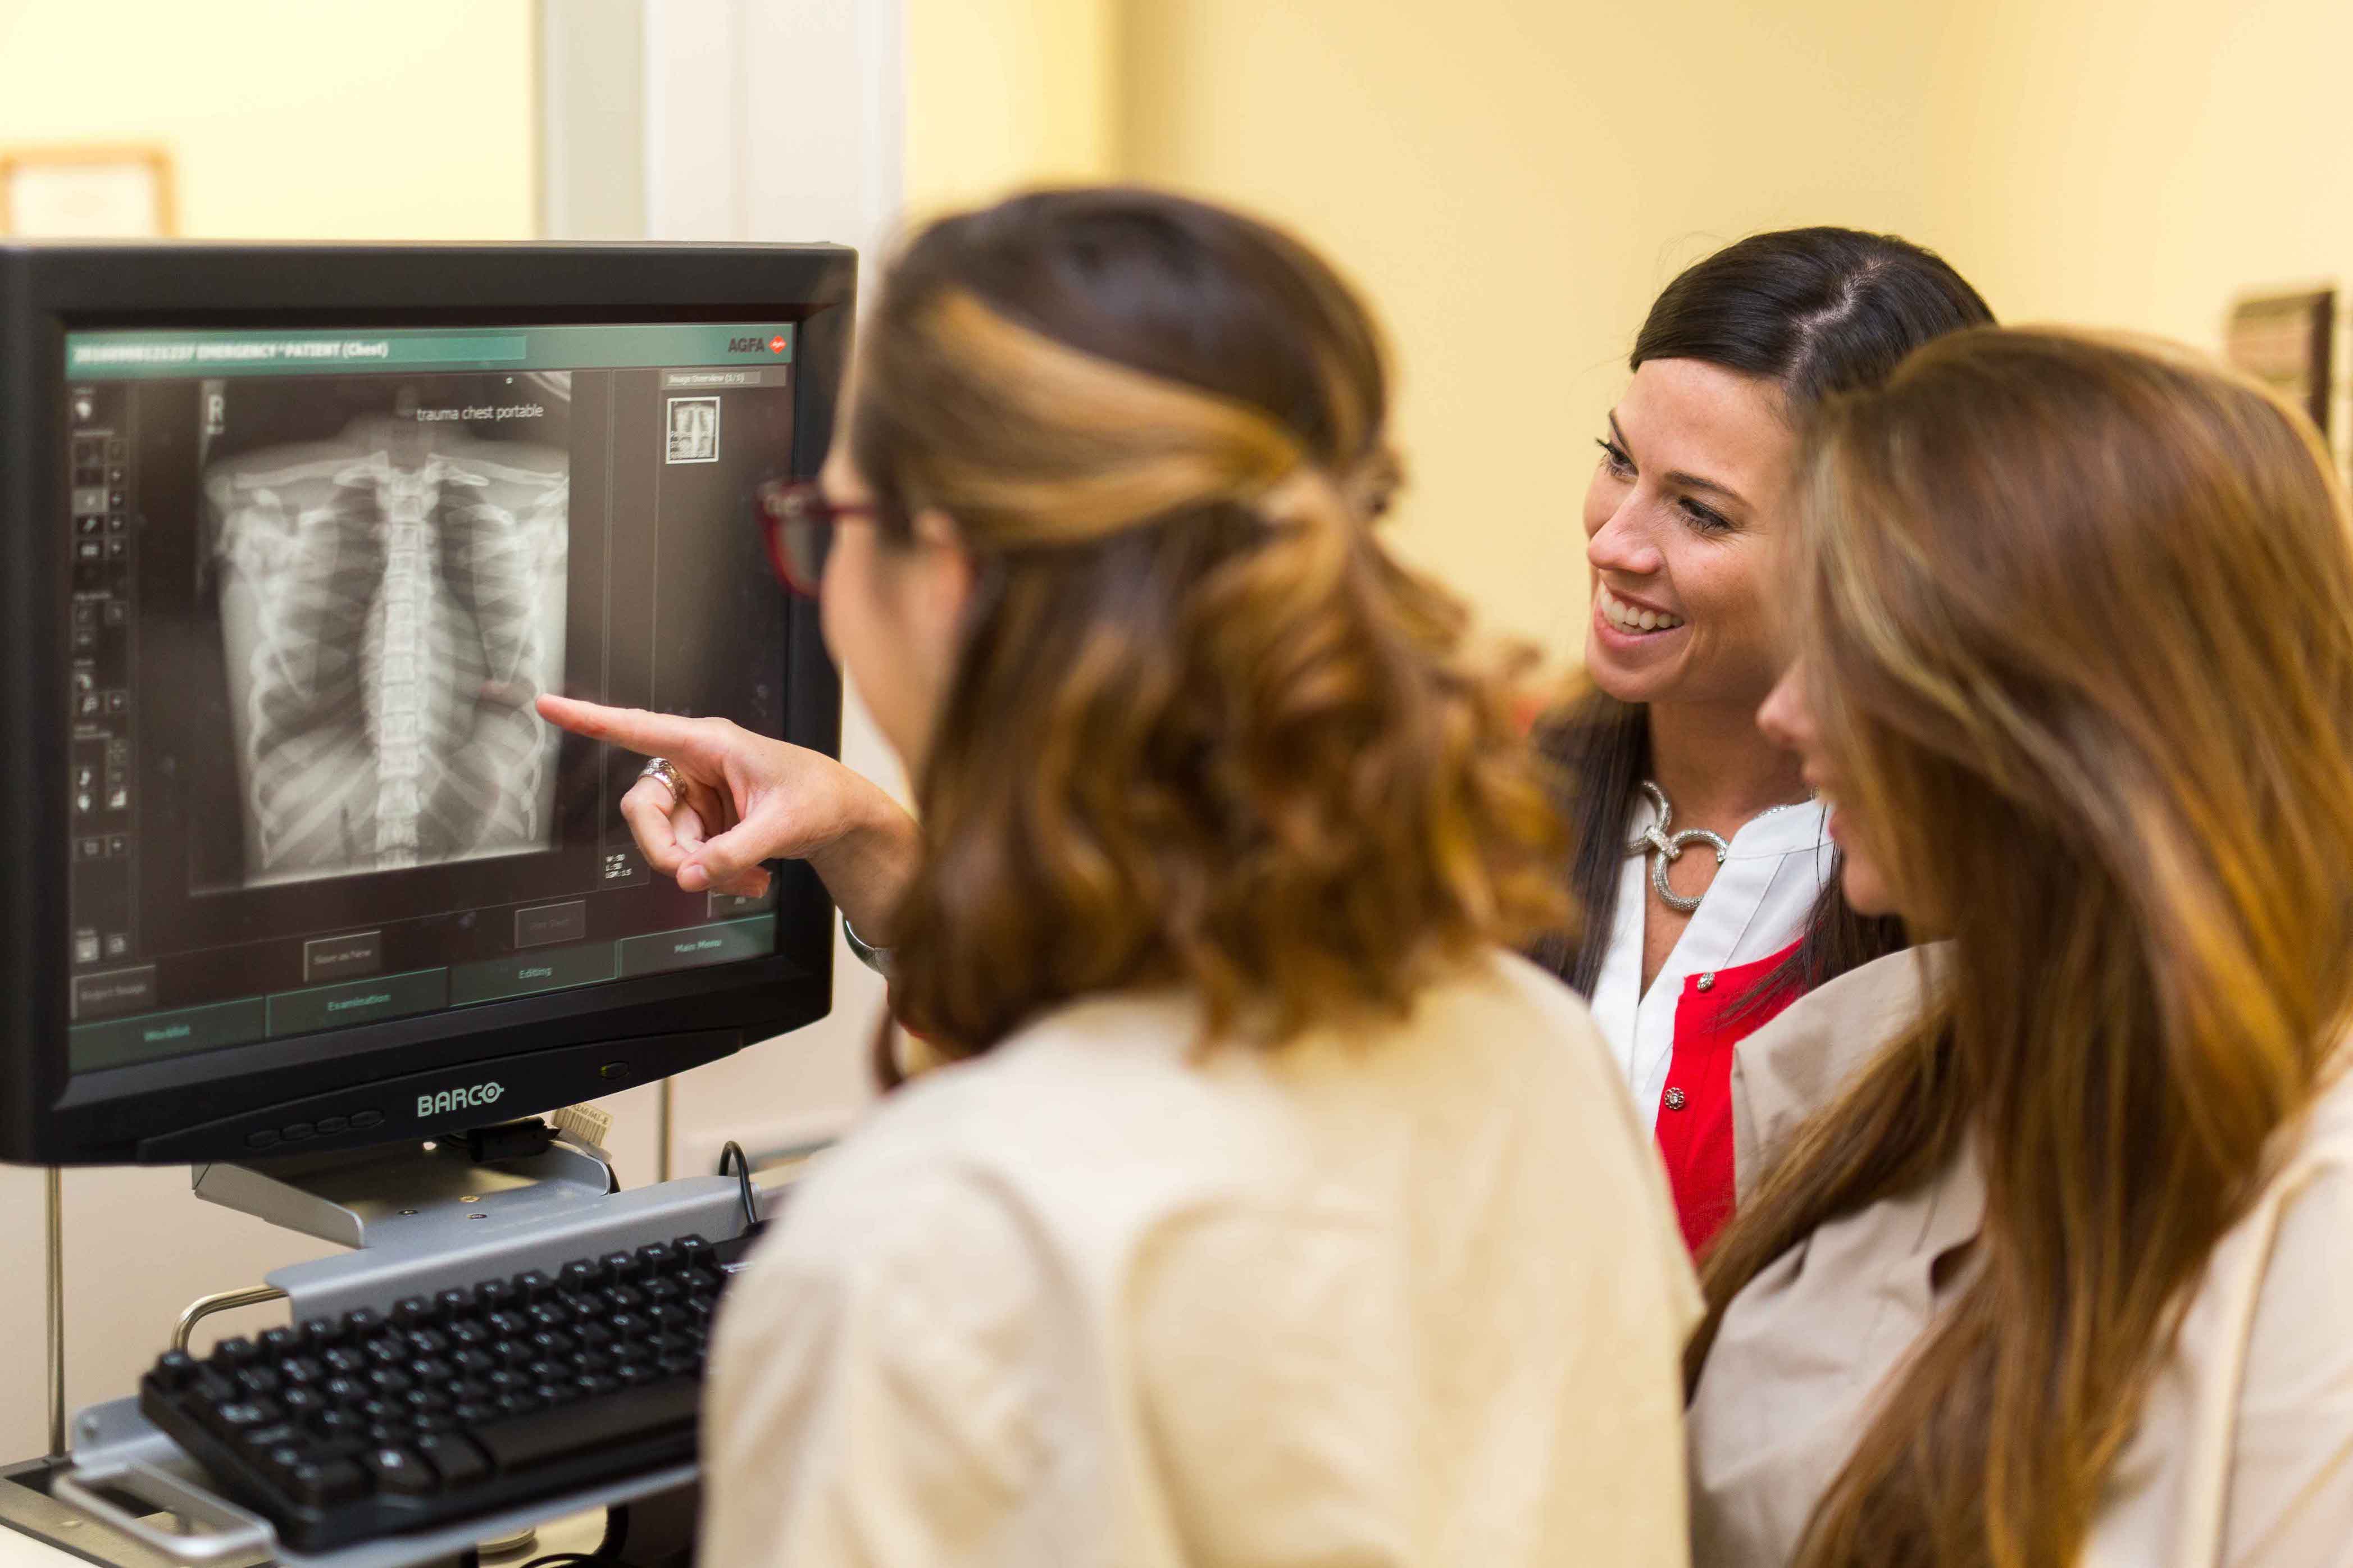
117 1449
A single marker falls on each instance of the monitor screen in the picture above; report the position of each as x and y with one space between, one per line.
317 577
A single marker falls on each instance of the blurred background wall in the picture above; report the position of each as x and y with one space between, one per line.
290 118
1510 181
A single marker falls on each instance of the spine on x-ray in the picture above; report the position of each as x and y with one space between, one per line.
396 645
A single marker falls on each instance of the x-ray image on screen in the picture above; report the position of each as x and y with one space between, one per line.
391 599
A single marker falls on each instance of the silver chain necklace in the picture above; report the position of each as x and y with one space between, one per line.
1669 846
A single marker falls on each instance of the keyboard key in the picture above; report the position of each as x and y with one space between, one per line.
557 1435
277 1344
577 1276
176 1370
363 1322
412 1312
236 1351
239 1414
400 1473
457 1461
324 1485
535 1286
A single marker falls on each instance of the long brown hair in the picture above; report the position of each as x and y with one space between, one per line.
1205 729
2076 619
1815 311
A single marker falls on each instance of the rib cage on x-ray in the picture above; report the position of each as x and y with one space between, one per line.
391 602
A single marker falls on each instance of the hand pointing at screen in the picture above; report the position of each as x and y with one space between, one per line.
749 798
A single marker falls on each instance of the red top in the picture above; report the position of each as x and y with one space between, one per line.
1695 1130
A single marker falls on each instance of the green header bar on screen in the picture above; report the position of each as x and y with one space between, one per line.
168 355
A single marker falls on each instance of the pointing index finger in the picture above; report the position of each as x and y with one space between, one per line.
688 740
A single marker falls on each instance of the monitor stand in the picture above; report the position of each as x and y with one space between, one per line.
407 1194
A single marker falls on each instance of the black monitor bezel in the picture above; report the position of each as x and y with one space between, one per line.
202 1107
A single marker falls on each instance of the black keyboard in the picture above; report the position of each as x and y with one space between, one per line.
454 1407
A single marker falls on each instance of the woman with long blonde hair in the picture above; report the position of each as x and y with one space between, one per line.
1271 1210
2064 1273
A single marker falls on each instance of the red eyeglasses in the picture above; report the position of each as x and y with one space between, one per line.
798 523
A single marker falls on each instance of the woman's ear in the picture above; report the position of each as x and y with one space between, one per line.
944 568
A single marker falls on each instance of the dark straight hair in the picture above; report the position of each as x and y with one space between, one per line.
1817 311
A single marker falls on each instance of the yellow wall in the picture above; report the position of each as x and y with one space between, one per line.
294 118
1511 181
2138 164
1003 93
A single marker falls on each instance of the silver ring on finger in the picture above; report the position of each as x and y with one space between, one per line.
661 772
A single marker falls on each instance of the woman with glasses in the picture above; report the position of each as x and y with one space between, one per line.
1268 1209
1709 892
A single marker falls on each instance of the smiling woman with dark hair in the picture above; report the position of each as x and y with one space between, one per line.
1709 892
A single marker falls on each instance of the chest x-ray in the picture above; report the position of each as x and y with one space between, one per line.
391 602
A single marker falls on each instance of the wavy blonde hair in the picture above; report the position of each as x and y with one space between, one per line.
2077 616
1205 729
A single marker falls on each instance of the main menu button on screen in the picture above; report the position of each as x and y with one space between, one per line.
722 943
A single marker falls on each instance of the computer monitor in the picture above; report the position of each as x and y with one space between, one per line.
290 537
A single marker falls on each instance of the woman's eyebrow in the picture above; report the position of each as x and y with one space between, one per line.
1676 476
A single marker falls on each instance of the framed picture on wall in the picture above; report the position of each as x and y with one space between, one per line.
91 192
2284 341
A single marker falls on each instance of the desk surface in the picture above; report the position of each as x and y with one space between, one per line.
580 1532
24 1551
